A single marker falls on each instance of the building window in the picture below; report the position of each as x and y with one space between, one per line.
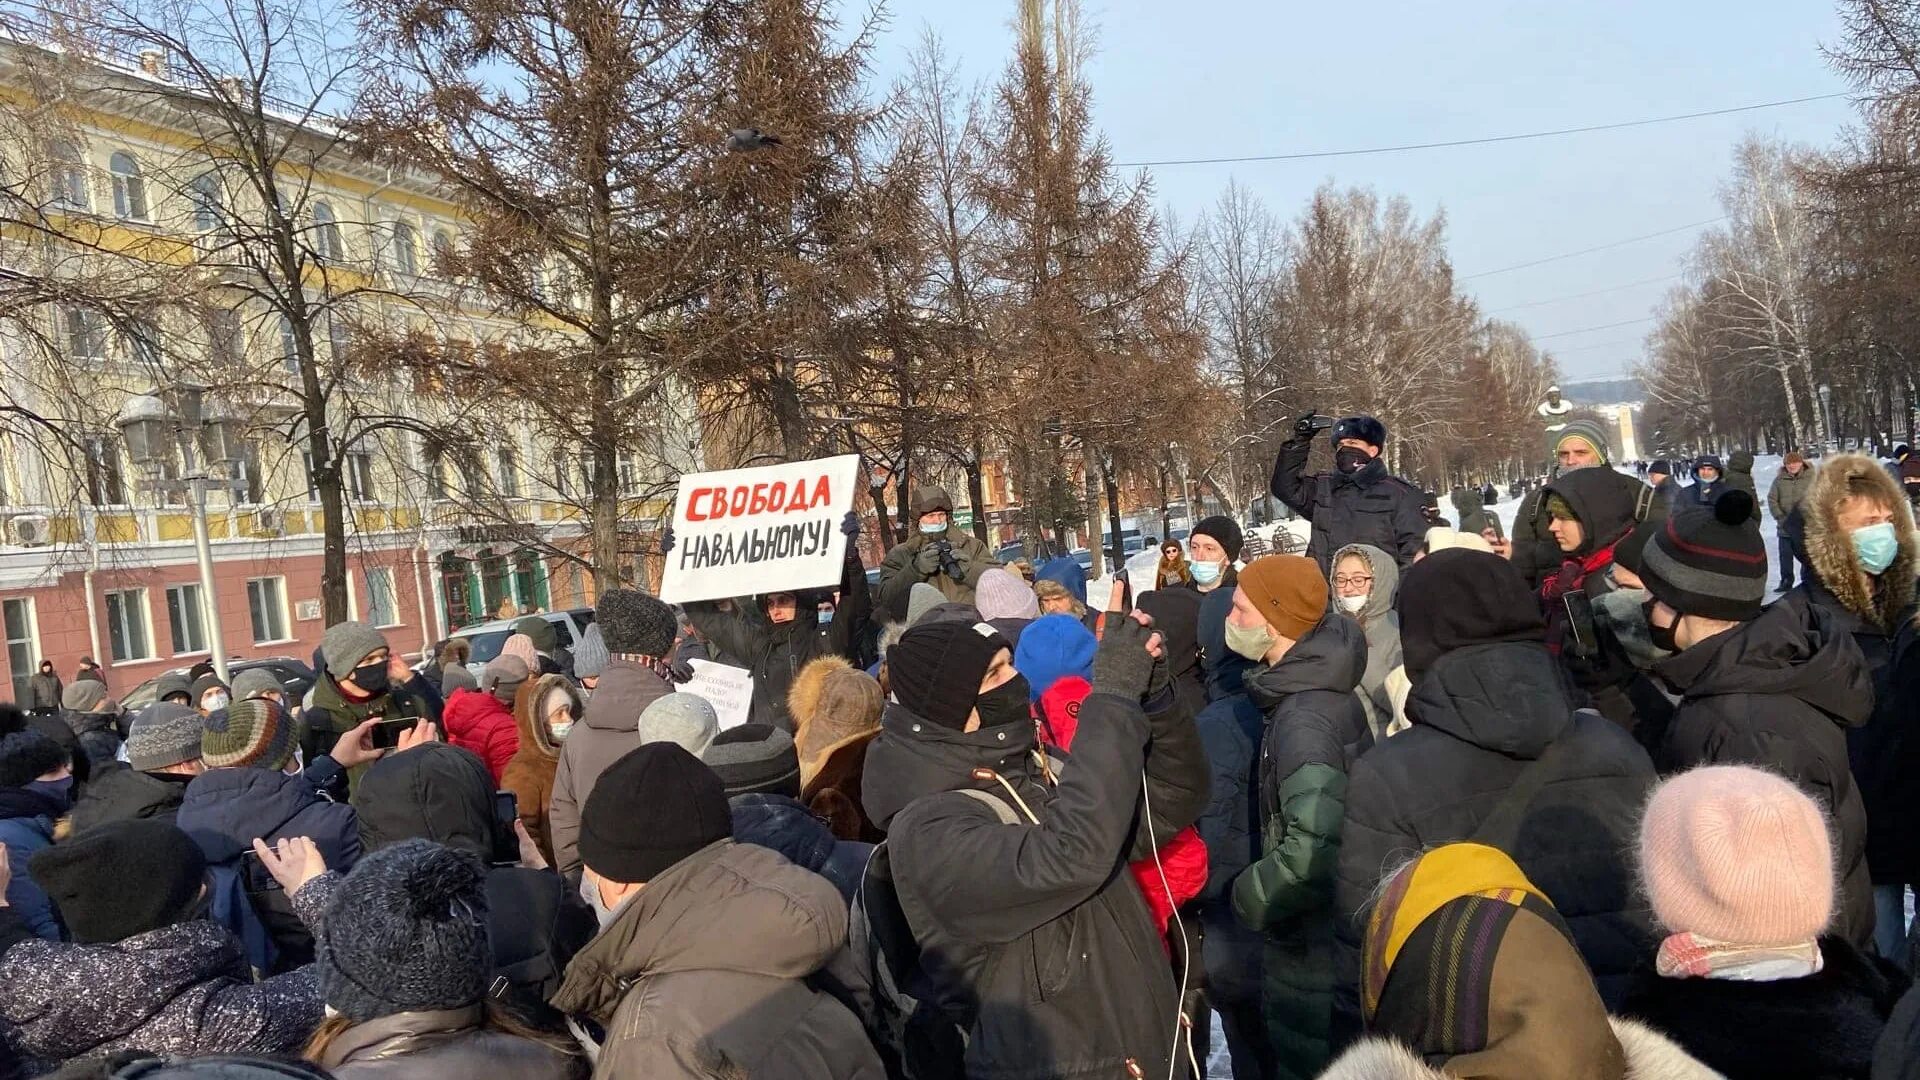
226 338
141 340
406 248
381 610
69 177
267 604
22 653
289 347
127 625
360 476
560 485
105 487
185 619
433 466
339 340
129 187
442 247
509 473
256 491
209 202
327 230
85 333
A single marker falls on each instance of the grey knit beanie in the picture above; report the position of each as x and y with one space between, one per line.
502 677
590 653
408 933
165 733
921 599
635 624
682 718
82 695
456 677
344 644
254 682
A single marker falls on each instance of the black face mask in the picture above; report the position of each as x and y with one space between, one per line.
1661 636
1005 704
371 678
1350 459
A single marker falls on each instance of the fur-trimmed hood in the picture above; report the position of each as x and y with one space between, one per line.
1649 1056
1830 549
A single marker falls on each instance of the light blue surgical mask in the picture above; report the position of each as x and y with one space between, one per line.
1876 546
930 529
1206 573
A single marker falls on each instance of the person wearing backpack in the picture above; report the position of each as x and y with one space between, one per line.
1027 941
1497 755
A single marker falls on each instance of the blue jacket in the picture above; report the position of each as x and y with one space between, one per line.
783 825
26 826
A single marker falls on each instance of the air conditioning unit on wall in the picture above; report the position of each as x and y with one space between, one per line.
29 530
269 521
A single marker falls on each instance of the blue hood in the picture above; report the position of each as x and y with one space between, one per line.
1051 648
784 825
225 809
1066 571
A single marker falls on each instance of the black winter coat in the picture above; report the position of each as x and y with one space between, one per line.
1780 692
1368 507
1033 937
1316 729
536 922
1481 716
1536 554
123 794
1820 1027
776 653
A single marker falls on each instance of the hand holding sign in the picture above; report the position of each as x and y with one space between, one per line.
759 530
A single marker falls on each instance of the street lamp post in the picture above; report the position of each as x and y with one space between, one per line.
1826 414
208 439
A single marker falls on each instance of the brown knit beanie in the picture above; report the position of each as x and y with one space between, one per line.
1289 590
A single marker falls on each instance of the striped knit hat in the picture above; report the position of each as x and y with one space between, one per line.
1709 560
256 732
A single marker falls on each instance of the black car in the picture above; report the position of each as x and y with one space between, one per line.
293 674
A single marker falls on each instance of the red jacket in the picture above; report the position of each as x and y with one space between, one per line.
1183 859
480 723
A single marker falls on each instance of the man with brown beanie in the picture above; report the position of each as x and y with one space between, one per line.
1006 871
1496 754
703 942
639 632
1777 688
940 553
1310 662
1788 491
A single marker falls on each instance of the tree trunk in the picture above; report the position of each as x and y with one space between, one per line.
977 494
1090 502
1113 519
902 498
879 497
1166 515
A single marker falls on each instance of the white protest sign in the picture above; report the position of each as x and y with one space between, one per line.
775 528
727 688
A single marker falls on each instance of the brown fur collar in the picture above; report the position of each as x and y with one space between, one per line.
1830 549
1649 1056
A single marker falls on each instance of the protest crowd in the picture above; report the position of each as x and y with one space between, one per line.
1425 801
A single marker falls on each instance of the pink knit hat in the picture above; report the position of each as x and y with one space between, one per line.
1002 594
521 645
1738 855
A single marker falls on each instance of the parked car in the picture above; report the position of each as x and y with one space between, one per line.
293 674
488 638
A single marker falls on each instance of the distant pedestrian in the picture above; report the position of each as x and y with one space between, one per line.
1789 490
44 689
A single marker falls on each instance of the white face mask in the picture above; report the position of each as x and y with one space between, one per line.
1353 604
216 701
559 730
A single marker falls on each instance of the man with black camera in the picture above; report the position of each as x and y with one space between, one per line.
939 554
1359 502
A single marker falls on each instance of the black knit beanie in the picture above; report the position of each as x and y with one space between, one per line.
1225 532
754 759
87 878
406 932
1709 560
649 810
635 624
25 756
1459 597
936 668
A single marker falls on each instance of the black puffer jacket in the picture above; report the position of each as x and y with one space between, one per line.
1032 937
776 653
1780 692
1369 507
1316 729
1535 552
1481 717
123 794
536 923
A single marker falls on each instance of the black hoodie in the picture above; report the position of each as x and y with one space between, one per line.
1780 692
122 794
536 922
1482 715
1031 937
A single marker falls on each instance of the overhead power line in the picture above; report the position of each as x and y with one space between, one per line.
1584 295
1591 250
1308 155
1591 329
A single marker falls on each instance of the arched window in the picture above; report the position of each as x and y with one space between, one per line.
442 246
129 187
327 228
69 176
289 347
406 248
209 202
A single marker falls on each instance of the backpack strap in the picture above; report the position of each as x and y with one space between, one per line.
1501 828
1000 808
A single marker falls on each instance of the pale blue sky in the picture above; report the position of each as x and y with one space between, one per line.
1211 78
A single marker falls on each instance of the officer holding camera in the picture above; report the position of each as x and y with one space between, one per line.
1358 502
939 554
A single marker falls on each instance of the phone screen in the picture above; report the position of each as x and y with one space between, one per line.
506 810
386 734
256 874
